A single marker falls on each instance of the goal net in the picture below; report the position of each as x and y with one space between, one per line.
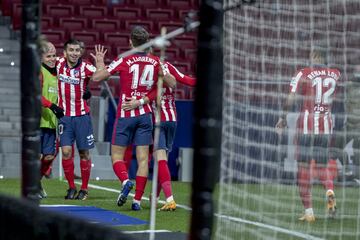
265 44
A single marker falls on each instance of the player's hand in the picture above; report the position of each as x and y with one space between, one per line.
87 94
58 111
99 56
280 125
130 104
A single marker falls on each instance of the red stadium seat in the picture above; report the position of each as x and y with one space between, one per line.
147 4
6 6
86 36
160 14
127 12
47 22
16 16
179 4
170 53
170 25
185 42
55 35
190 53
93 11
73 23
180 93
106 25
82 2
59 10
182 66
117 38
148 25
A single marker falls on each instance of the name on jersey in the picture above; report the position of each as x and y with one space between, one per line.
315 74
133 60
68 79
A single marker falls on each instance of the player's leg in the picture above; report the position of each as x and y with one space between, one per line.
67 137
122 136
304 158
142 140
84 141
48 138
321 154
166 139
128 156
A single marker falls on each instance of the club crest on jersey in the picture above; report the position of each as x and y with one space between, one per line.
76 73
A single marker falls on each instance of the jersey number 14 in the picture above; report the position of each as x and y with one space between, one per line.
145 79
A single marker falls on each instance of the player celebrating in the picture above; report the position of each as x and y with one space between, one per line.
138 74
73 77
167 133
50 110
316 88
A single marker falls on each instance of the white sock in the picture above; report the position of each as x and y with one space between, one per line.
309 211
169 199
124 182
136 201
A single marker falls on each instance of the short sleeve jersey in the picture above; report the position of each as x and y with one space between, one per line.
316 88
138 75
72 82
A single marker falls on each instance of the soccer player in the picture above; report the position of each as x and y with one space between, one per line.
73 77
167 133
50 111
315 88
138 75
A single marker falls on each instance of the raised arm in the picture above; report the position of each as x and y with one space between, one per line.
180 77
101 71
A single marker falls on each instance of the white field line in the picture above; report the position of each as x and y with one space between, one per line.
235 219
146 231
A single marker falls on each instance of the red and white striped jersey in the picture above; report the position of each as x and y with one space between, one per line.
138 75
72 84
168 107
317 88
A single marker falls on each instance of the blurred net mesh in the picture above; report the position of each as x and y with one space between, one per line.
264 45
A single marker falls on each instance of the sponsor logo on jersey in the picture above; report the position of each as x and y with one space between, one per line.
68 79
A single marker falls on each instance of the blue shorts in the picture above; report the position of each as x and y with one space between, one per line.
136 130
312 146
48 141
77 129
167 135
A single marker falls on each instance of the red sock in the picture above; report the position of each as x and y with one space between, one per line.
332 165
165 178
45 166
68 166
128 157
120 170
325 178
304 179
140 187
85 166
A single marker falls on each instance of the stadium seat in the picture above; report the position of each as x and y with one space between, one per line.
179 93
59 10
6 6
147 4
127 12
185 42
183 67
170 25
179 4
82 2
16 16
55 35
190 53
117 38
93 11
159 14
47 22
73 23
86 36
106 25
148 25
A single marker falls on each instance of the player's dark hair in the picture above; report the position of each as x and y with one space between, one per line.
139 36
71 42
